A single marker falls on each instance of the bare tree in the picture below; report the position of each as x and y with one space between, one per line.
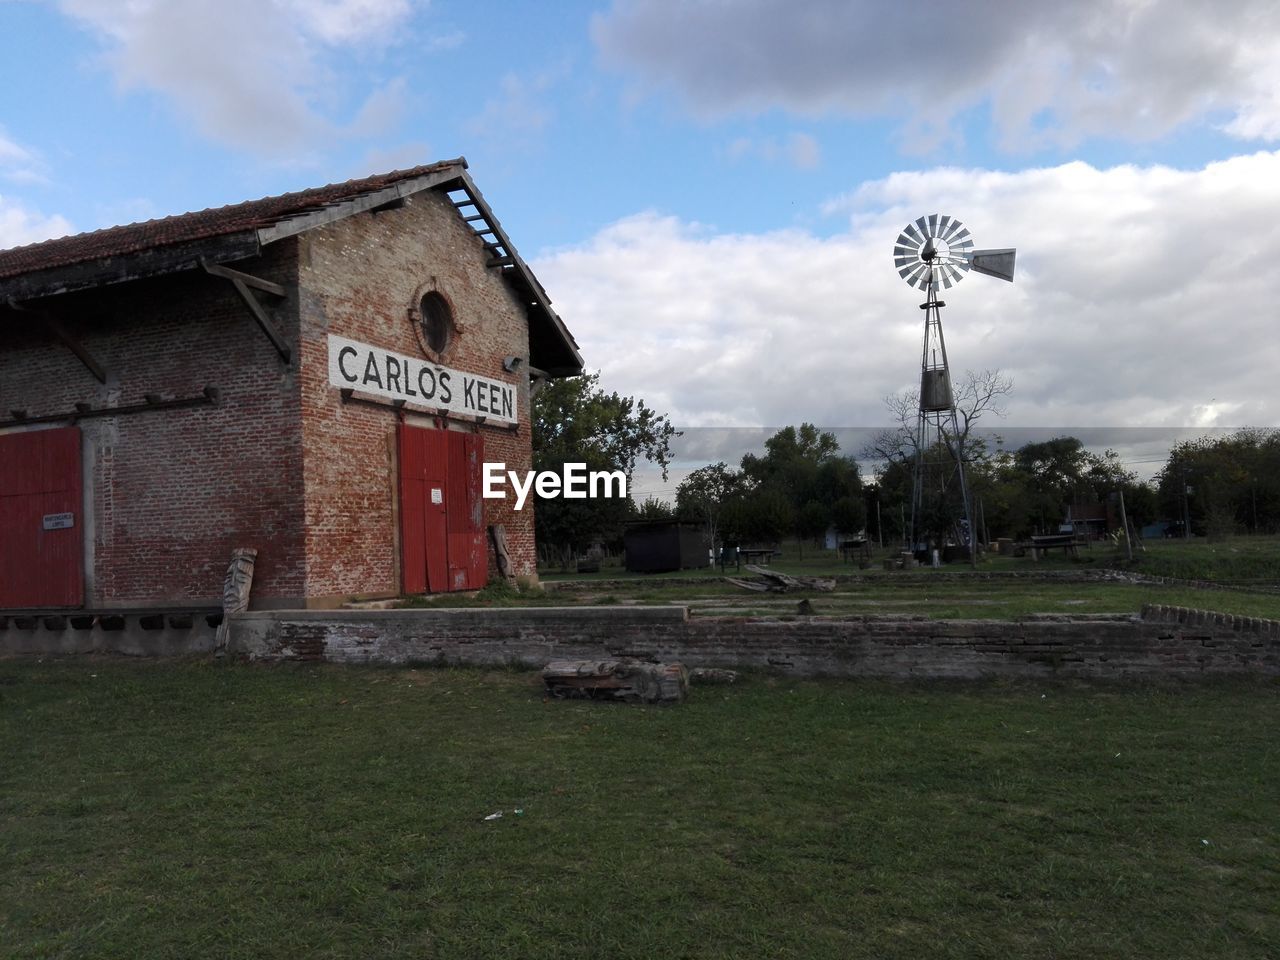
980 394
976 395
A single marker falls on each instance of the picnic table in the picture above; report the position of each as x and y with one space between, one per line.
756 554
1066 542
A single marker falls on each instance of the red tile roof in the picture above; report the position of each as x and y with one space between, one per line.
200 225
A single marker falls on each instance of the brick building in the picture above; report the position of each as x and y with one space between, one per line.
318 376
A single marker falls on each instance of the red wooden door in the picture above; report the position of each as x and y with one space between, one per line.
442 545
41 512
468 560
423 543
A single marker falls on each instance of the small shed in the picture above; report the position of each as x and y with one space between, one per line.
656 546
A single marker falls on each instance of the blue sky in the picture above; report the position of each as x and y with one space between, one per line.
710 190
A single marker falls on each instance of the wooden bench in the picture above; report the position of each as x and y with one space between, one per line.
758 555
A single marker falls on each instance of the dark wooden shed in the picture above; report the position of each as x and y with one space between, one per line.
655 546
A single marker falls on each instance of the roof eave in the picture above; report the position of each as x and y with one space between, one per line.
568 361
332 212
139 265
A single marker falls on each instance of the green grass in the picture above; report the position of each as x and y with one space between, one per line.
189 810
991 601
496 594
816 562
1232 558
1245 561
911 596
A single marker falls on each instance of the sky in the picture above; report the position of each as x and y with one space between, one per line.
710 189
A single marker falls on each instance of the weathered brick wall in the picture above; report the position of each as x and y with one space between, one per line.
169 493
358 278
1102 646
281 464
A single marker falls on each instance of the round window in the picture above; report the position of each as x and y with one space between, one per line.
437 321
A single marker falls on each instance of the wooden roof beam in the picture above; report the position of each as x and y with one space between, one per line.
255 308
70 342
266 286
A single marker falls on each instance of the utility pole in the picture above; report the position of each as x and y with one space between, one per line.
1124 522
1186 507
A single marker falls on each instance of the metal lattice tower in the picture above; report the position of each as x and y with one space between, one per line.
937 251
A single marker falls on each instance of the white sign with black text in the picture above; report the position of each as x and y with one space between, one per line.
393 376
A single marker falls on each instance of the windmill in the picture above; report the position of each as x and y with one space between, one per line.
938 250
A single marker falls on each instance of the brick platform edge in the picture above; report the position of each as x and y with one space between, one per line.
1164 641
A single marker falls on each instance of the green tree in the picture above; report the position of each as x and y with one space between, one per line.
1056 473
705 495
849 514
791 460
1234 482
1141 503
811 521
803 466
654 509
767 516
576 421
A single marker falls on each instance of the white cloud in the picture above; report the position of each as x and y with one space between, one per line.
19 164
520 112
350 21
20 225
249 73
1137 302
1050 73
382 111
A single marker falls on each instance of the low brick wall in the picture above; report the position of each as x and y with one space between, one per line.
153 633
1167 641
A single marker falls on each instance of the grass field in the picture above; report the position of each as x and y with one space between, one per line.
914 595
193 809
1231 558
1251 564
1254 559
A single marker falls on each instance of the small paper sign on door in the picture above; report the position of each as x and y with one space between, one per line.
437 495
58 521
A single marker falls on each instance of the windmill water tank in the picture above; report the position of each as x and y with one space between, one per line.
935 390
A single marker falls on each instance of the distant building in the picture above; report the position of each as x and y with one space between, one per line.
1089 520
318 375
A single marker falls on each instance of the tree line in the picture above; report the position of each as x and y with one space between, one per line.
1225 484
802 484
